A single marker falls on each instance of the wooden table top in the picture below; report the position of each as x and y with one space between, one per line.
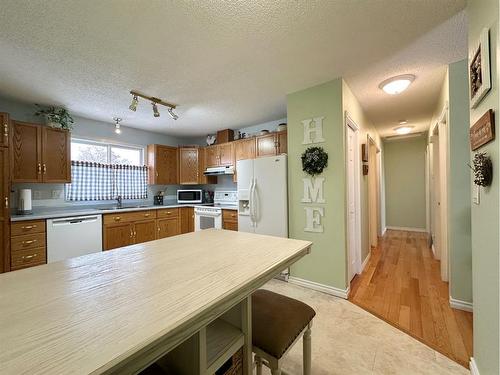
91 313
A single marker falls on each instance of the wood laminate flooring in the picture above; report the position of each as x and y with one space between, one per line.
401 284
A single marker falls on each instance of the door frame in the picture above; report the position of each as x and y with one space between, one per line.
349 123
373 175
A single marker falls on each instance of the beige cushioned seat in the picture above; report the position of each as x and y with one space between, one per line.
277 320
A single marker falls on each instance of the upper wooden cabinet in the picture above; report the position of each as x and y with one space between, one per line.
40 153
220 155
244 149
4 129
271 144
189 170
162 163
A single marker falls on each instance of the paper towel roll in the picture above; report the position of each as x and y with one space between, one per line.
24 200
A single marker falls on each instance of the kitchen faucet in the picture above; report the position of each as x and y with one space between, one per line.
119 201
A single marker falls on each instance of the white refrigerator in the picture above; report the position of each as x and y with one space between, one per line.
263 195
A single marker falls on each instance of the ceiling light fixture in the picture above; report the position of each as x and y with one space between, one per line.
396 85
154 101
155 110
172 114
403 129
117 121
133 105
403 122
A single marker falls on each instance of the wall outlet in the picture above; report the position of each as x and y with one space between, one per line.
37 194
56 194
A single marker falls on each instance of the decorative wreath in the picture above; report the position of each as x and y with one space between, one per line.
483 169
314 160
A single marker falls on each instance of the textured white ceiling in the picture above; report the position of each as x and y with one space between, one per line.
227 64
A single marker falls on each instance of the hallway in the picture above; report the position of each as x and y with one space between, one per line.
401 284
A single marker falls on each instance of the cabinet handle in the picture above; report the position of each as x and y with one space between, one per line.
131 233
5 130
6 202
156 174
117 218
44 169
29 227
28 257
29 242
135 234
39 168
233 215
147 215
159 230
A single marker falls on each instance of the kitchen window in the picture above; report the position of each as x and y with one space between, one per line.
101 171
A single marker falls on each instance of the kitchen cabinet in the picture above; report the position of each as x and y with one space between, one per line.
168 222
40 153
187 219
4 210
202 166
271 144
128 228
230 220
4 129
244 149
189 170
162 163
117 235
28 244
220 155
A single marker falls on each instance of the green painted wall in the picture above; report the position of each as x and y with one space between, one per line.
485 216
404 163
459 198
327 262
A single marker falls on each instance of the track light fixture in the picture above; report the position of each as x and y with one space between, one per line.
155 110
117 121
133 105
154 102
172 114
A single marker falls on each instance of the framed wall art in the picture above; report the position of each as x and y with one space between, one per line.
479 69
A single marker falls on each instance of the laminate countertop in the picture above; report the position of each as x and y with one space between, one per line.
99 313
69 211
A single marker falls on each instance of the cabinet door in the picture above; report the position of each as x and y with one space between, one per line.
117 235
4 129
167 165
168 227
281 138
212 156
56 155
26 152
244 149
187 219
144 231
188 166
266 145
230 225
4 210
202 165
226 154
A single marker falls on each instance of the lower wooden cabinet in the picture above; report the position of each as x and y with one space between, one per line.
168 227
187 219
144 231
117 235
28 244
230 220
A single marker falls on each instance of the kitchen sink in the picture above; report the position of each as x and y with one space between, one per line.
121 208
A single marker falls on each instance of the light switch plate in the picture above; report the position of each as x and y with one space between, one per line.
476 195
37 194
56 194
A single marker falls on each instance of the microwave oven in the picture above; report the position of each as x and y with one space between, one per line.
189 196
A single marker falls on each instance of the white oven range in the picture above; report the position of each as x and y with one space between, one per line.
206 217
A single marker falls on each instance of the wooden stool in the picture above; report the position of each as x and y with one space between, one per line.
278 322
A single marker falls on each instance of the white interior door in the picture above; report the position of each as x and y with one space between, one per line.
351 199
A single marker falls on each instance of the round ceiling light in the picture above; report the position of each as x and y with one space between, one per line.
396 85
405 129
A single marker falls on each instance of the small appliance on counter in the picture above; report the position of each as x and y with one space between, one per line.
158 199
24 202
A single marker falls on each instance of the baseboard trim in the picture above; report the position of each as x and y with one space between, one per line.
342 293
409 229
461 305
383 232
365 262
473 367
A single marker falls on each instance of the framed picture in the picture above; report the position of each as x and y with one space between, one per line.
479 69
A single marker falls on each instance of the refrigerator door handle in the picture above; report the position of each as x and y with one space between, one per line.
254 202
250 197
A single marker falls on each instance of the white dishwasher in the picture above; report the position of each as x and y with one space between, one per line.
71 237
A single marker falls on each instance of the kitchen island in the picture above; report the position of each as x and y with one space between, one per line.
120 311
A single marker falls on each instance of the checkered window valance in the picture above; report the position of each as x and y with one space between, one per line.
96 181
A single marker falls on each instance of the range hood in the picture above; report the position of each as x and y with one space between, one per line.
217 171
